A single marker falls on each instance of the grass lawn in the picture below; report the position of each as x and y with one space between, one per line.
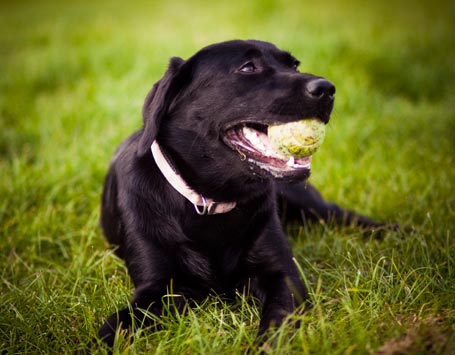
73 76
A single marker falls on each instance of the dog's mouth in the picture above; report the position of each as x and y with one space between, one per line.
250 140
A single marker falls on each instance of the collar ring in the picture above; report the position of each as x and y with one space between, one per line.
204 207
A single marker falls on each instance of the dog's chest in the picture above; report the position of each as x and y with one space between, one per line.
216 229
220 244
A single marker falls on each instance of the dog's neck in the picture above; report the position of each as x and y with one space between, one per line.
202 205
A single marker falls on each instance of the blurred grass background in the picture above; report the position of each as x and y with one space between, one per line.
73 76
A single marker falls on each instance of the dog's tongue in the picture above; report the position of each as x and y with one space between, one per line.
260 141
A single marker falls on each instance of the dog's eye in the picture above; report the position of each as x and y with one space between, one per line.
248 68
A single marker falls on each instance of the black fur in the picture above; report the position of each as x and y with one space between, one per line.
157 231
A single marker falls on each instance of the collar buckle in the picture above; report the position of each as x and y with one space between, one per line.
207 208
204 207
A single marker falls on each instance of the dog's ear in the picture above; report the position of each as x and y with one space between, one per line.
157 103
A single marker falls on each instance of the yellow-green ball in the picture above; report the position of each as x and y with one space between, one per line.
298 139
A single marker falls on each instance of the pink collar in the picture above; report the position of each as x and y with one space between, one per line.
202 205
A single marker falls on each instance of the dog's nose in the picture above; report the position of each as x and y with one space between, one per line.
319 88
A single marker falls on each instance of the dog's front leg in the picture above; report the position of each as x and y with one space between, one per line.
146 306
280 301
151 267
277 283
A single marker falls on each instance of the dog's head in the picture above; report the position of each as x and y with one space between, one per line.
210 113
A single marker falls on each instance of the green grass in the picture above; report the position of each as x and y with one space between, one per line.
73 76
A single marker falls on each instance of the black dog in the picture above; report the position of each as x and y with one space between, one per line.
190 200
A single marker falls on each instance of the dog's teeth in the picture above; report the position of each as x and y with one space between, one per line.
290 162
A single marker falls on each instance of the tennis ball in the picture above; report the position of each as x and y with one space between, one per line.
298 139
